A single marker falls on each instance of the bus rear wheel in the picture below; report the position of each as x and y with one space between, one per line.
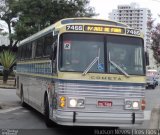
46 113
23 104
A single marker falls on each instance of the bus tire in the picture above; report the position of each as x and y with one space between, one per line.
46 113
23 104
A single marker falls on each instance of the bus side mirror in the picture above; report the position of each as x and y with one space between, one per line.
146 58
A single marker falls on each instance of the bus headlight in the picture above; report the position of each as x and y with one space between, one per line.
76 102
72 103
135 105
132 104
128 105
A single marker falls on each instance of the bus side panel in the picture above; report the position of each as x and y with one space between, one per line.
22 87
39 87
33 91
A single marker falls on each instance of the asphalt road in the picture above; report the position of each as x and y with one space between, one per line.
16 117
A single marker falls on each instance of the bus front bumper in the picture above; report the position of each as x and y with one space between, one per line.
98 119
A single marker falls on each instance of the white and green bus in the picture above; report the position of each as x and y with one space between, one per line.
84 72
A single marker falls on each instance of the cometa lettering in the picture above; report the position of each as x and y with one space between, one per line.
106 78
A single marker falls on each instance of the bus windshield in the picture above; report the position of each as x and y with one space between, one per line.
80 52
127 53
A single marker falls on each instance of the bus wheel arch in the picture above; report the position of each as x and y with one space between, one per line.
46 111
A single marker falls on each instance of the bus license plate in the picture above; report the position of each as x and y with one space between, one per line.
104 104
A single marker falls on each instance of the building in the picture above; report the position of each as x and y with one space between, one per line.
2 2
136 17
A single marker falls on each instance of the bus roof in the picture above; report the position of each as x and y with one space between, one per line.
92 21
65 21
152 70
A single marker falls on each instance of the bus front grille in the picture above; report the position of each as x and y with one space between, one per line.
98 92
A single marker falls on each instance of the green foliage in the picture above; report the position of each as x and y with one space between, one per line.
7 59
8 12
155 36
35 15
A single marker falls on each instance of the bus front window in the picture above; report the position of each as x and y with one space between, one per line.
126 53
79 50
84 53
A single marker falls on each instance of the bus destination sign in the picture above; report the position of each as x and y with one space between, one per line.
104 29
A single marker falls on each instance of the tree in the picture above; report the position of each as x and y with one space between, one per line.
35 15
7 59
7 14
155 36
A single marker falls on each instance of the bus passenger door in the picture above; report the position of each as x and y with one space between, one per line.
32 92
35 93
39 93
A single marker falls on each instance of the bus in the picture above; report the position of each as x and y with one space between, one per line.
84 72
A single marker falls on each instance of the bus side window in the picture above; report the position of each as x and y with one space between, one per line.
54 53
34 43
19 52
48 41
23 52
39 47
54 48
28 51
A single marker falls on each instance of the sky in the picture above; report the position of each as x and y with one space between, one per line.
104 7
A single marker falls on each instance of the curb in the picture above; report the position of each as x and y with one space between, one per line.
10 109
8 105
7 87
155 118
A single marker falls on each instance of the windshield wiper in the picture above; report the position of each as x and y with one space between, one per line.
92 63
118 67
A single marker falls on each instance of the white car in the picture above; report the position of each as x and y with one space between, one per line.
14 69
151 82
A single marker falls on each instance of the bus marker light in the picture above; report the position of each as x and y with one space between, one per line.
62 102
143 104
62 98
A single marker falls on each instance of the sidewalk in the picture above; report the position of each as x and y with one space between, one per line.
9 85
8 99
155 118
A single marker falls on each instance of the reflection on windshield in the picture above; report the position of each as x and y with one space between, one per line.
92 63
119 67
127 54
79 51
79 54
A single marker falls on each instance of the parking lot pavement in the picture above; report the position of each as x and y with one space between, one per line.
13 111
8 98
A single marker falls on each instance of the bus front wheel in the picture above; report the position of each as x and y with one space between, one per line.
46 113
